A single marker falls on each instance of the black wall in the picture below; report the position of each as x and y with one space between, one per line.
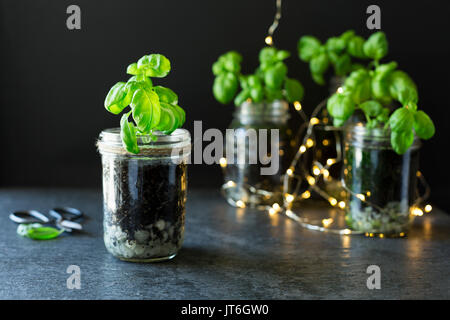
53 81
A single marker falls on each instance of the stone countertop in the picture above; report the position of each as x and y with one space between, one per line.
228 253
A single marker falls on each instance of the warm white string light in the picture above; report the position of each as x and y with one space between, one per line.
274 25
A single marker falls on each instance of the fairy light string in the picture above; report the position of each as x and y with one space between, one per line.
269 38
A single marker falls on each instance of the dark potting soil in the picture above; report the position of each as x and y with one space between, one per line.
145 193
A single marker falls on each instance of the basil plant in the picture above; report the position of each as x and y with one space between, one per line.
336 51
151 107
268 83
374 90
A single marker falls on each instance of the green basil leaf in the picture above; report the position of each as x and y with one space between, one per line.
318 78
241 97
146 109
402 140
335 44
371 108
308 47
346 36
401 120
128 134
338 122
340 106
376 47
403 88
218 68
356 66
133 69
154 65
355 47
22 229
257 94
268 55
228 62
294 90
381 81
319 64
384 70
384 115
423 125
182 115
358 84
254 81
117 98
282 55
43 233
232 61
169 119
274 76
137 82
166 94
225 87
273 94
342 65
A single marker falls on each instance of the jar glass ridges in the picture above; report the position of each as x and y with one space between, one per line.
382 184
244 183
144 195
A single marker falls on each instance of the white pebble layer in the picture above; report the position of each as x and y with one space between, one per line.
146 244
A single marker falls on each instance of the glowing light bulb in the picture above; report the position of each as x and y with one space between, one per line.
340 90
314 121
268 40
330 162
240 204
276 206
290 172
332 201
311 180
417 212
341 204
361 197
326 222
302 149
346 231
223 162
309 143
316 170
306 194
325 142
428 208
289 197
231 184
297 106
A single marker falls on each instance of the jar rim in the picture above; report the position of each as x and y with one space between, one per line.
277 109
111 141
112 135
359 133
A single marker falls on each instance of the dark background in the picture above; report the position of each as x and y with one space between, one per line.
54 80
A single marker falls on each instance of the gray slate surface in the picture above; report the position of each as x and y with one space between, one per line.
227 254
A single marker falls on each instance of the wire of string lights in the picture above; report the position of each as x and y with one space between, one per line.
274 25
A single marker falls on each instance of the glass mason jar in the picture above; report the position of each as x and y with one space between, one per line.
381 183
244 181
144 195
